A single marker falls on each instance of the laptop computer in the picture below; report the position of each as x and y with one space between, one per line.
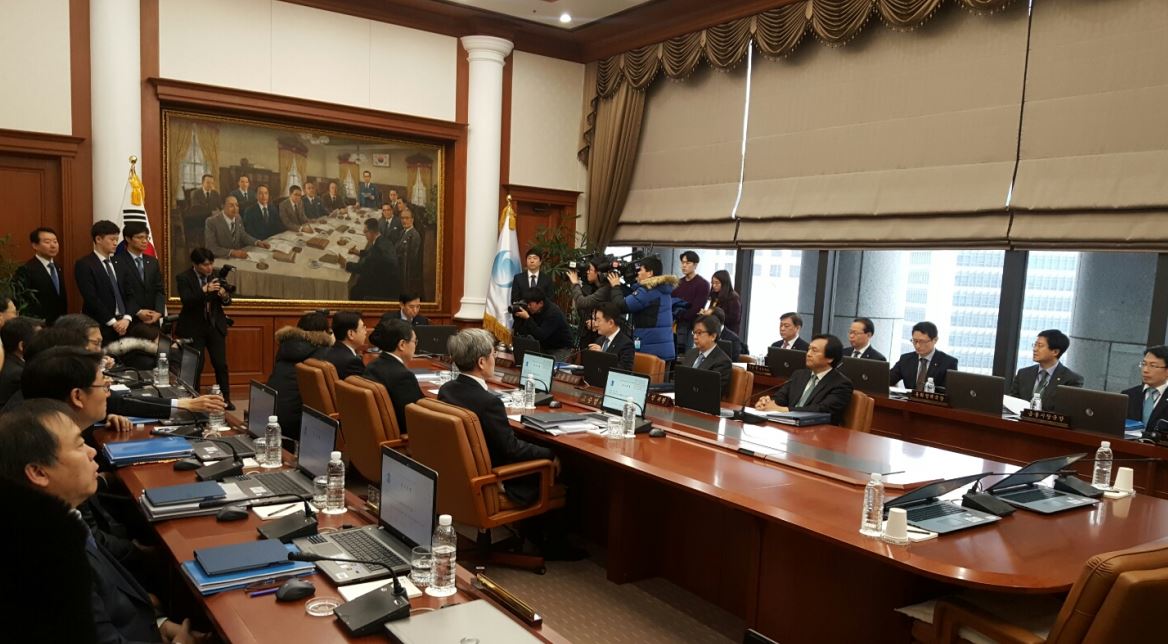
1021 488
261 405
927 511
1102 412
784 362
539 367
409 504
698 389
619 386
868 376
975 392
184 370
318 438
521 344
596 365
432 338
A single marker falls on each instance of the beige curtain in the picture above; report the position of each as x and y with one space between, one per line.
209 146
611 158
178 142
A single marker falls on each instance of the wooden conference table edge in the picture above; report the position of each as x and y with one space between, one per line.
229 611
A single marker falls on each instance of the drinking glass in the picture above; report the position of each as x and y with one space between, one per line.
320 491
421 563
261 450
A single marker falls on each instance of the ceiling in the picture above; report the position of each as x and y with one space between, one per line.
547 12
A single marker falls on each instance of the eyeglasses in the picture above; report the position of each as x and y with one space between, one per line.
700 332
1145 363
917 343
105 385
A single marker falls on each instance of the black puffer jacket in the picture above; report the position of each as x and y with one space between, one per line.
296 345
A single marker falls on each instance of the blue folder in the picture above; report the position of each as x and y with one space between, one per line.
185 493
248 555
147 449
211 584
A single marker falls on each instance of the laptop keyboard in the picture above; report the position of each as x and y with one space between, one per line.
278 483
361 545
933 511
1031 495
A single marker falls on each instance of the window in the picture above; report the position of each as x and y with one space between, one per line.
773 295
194 166
776 270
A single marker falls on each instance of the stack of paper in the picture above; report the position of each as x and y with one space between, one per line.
147 450
231 494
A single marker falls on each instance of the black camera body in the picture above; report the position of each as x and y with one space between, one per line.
224 271
517 307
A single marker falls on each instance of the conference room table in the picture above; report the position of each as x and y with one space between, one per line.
776 539
241 619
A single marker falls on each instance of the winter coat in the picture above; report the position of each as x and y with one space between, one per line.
650 309
295 346
135 353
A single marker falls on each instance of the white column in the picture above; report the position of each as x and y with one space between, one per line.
484 133
116 96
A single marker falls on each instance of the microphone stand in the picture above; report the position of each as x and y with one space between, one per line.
366 614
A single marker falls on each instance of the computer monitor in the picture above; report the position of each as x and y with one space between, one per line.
432 338
975 392
189 369
622 385
596 365
784 362
409 499
318 438
868 376
539 366
1102 412
261 403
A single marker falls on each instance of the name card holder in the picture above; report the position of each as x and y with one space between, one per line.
1048 418
591 400
568 378
759 368
660 400
511 379
506 363
940 400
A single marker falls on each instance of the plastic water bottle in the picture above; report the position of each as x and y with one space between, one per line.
529 392
273 438
872 519
445 550
335 500
636 343
1036 402
215 418
930 386
629 420
162 372
1103 457
453 371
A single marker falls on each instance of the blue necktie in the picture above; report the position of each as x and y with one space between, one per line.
55 277
1150 397
141 268
698 361
119 303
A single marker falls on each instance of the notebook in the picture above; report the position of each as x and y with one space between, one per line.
185 493
221 560
146 449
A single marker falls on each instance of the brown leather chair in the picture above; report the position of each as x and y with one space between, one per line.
317 382
741 386
859 413
385 409
365 430
1119 597
450 440
650 365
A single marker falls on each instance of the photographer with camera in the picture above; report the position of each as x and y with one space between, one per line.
587 296
544 321
651 307
204 292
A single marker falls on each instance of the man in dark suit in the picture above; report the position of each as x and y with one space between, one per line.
15 336
820 387
411 304
375 275
244 195
860 336
41 276
790 324
205 199
202 320
368 196
313 206
397 341
1042 379
333 200
705 353
1148 401
146 295
610 338
261 221
226 234
924 362
737 346
544 321
390 224
104 284
292 212
533 277
345 354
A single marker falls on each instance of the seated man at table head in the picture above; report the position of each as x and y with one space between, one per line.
923 362
790 324
15 337
226 234
610 338
332 198
411 305
820 387
1148 401
706 354
397 341
860 337
292 211
350 335
313 206
540 318
261 219
1043 377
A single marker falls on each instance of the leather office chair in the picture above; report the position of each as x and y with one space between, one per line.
650 365
741 386
365 430
1118 597
450 440
317 380
385 409
859 413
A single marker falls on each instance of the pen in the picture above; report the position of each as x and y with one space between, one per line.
266 591
748 452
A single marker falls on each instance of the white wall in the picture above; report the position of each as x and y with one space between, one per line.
36 71
291 50
546 99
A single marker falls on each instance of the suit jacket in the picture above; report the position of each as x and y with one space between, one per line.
97 293
368 196
399 381
868 354
409 259
1023 384
375 273
502 444
314 207
520 283
622 345
259 227
798 345
122 610
831 395
292 215
49 304
419 320
391 228
204 203
201 312
145 289
346 362
245 201
10 377
906 369
717 361
330 203
220 239
1135 406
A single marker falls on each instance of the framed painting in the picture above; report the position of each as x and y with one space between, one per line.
303 216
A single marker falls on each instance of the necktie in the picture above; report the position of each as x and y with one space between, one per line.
55 277
698 361
1040 386
807 390
922 374
1150 397
119 304
604 347
532 281
855 354
245 195
141 268
264 212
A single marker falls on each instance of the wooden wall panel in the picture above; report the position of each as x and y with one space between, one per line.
32 197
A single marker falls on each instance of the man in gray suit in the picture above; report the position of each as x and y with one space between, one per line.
1042 379
705 353
225 234
292 212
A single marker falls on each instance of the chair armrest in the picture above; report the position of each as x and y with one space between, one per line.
335 416
394 444
514 470
954 613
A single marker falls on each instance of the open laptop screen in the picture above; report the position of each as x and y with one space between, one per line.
432 338
933 490
261 404
1034 472
408 497
318 436
539 366
622 385
190 366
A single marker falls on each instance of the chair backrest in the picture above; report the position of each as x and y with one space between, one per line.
1134 609
449 440
384 405
649 365
364 430
859 413
741 386
330 374
318 391
1090 612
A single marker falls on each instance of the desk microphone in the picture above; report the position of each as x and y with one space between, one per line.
754 419
366 614
222 469
297 524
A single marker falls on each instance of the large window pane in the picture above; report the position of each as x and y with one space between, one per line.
1047 301
775 291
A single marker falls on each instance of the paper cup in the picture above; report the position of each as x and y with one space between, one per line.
896 529
1123 480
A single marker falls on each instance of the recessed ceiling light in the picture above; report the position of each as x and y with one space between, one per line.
565 17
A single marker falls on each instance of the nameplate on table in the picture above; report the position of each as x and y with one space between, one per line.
1049 418
591 400
506 363
759 368
661 400
511 379
568 378
930 398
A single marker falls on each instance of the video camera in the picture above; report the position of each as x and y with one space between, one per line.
624 265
